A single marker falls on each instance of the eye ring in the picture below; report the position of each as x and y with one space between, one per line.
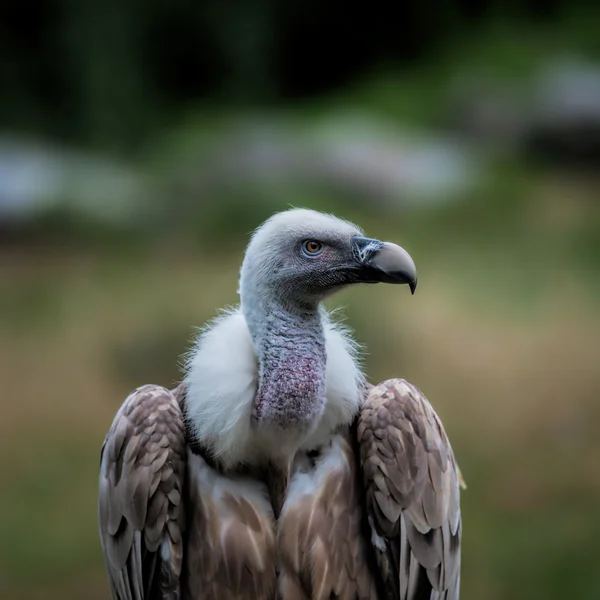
312 248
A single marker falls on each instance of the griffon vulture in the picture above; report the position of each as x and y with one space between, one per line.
275 471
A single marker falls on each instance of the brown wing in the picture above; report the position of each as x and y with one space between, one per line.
412 493
140 507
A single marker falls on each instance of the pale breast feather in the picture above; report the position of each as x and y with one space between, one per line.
230 550
322 551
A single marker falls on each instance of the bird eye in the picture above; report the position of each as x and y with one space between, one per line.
312 248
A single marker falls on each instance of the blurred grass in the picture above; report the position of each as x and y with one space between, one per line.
503 336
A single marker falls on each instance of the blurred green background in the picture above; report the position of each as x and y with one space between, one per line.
141 142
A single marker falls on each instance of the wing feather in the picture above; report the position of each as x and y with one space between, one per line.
142 469
412 493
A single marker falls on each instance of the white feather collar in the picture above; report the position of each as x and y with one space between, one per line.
221 377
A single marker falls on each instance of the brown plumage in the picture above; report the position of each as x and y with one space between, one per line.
230 541
403 482
322 552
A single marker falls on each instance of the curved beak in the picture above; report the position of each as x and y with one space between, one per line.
384 262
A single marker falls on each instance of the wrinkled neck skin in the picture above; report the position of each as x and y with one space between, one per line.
290 345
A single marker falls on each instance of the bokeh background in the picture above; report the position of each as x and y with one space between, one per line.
141 142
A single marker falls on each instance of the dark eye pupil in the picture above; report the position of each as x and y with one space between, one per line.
313 246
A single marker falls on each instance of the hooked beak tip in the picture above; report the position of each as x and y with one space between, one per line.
386 262
397 263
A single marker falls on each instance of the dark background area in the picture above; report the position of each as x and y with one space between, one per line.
107 73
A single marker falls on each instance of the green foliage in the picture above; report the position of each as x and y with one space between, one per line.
501 335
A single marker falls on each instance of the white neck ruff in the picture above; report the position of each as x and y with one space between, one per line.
221 378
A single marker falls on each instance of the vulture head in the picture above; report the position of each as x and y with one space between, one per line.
276 374
299 257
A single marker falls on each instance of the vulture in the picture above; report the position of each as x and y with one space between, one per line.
274 470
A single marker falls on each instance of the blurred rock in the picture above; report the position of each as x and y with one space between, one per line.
36 178
566 113
488 113
355 155
390 164
554 115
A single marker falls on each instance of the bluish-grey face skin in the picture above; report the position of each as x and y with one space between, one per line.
310 269
292 263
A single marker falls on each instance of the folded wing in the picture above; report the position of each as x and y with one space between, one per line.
140 505
412 493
